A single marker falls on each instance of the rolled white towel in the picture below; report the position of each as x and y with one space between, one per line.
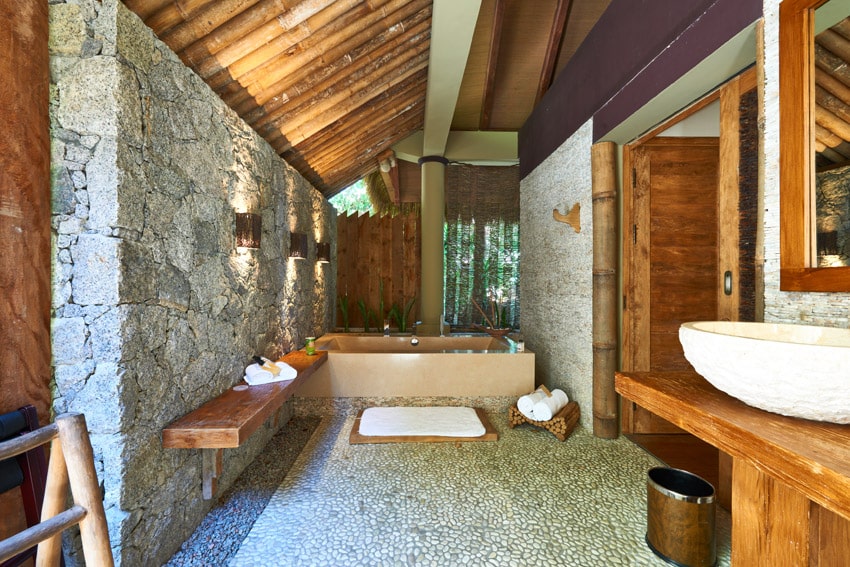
254 374
525 404
546 408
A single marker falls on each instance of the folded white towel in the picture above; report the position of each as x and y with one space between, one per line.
255 375
525 404
546 408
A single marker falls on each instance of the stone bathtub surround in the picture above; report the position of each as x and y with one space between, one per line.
155 310
449 367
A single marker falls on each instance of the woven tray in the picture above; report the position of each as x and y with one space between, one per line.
561 426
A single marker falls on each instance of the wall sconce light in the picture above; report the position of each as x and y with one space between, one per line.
323 252
297 245
249 226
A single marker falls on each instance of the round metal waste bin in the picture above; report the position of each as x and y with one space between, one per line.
680 512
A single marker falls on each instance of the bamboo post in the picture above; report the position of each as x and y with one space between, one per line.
604 194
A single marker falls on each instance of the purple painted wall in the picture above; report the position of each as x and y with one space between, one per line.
636 50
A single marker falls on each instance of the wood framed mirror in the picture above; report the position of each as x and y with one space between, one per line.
806 137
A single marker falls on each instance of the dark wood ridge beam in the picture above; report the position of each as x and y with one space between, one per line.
492 64
559 26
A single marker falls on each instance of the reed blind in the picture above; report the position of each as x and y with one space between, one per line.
482 243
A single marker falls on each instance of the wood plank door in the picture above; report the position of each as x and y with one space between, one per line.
670 259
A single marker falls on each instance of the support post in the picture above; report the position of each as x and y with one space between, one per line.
433 218
605 282
212 470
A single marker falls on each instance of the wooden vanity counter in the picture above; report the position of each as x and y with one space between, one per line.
790 476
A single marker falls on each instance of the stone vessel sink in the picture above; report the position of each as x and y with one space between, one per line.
795 370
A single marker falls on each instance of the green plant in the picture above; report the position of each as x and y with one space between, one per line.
498 318
383 315
367 314
400 316
343 309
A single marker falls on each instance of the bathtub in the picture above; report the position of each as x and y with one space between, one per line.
454 366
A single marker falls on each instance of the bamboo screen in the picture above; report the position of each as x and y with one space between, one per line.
748 205
482 243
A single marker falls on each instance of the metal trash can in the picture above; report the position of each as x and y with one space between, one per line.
680 517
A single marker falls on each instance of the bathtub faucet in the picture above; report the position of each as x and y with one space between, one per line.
414 340
386 327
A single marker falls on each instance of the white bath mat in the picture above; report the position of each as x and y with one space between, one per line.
404 424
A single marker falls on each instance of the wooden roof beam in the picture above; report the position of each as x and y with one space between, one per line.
453 24
389 173
559 24
492 65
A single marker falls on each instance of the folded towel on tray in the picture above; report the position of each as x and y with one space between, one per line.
545 409
255 375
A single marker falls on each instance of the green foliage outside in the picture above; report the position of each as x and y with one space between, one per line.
352 199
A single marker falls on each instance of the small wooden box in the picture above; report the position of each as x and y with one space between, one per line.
561 425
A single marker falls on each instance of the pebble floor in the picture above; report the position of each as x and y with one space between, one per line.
525 500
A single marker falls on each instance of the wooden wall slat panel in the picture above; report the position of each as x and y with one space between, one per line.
375 250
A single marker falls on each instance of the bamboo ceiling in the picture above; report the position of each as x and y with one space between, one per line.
832 95
333 84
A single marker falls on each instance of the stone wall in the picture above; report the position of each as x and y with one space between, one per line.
154 308
828 309
556 271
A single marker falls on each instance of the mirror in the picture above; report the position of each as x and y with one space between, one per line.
814 44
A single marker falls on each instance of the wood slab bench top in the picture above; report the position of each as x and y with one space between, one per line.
228 420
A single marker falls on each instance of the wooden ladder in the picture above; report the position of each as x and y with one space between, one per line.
71 466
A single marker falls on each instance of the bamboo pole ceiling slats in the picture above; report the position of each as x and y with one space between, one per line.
832 95
332 84
373 43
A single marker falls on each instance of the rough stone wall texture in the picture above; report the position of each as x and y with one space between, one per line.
154 308
556 273
828 309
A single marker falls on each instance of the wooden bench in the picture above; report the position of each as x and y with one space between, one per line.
227 421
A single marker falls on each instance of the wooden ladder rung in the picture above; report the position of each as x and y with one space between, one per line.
71 466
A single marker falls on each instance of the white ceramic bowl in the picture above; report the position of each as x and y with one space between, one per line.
794 370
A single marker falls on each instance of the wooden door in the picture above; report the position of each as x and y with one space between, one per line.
670 256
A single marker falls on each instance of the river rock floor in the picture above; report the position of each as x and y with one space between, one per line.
312 499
